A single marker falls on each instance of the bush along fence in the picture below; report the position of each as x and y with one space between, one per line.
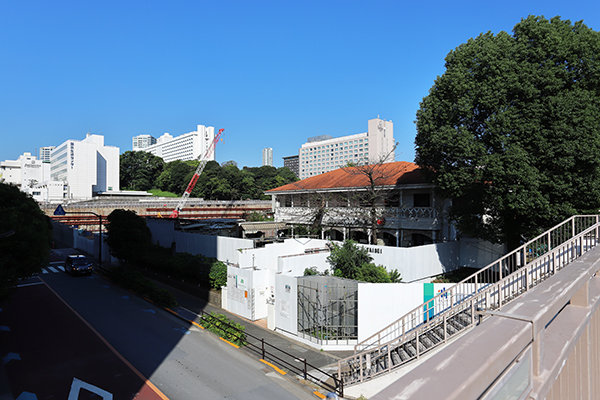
139 284
235 333
205 271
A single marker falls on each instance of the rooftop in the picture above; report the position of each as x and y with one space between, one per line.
387 174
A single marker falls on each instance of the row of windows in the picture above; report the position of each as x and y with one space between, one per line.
333 146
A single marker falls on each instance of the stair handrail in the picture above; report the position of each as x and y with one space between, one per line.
519 253
557 254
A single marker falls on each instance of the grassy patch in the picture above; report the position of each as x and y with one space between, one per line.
160 193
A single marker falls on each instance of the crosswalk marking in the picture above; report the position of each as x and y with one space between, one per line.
52 269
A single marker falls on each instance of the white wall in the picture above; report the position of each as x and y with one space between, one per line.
286 303
475 253
247 292
415 263
268 256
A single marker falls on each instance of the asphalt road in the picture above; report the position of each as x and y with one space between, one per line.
179 359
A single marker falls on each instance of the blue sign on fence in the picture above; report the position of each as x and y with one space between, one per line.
60 211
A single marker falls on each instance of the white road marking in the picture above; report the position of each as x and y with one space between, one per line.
4 328
78 384
52 269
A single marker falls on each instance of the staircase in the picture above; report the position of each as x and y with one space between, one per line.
459 308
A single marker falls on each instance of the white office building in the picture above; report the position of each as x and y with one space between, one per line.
188 146
325 153
141 142
45 153
267 156
24 172
85 167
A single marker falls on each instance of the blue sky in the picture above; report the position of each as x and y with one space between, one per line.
271 73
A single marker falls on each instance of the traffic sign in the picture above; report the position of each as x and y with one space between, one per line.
60 211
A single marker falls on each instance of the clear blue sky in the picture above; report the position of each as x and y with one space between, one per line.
272 73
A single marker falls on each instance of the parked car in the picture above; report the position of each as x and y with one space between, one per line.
77 264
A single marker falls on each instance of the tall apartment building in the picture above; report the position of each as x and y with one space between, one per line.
85 167
292 162
188 146
267 156
324 153
140 142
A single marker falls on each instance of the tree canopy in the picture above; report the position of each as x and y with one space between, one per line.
139 170
349 260
127 234
511 130
25 237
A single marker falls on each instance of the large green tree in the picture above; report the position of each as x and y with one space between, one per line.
139 170
25 237
511 130
127 235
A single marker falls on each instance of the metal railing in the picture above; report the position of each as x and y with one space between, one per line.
268 352
434 322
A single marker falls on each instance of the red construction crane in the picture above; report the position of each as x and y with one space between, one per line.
203 160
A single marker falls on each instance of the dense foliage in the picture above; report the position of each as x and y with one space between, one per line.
25 237
223 327
127 234
138 283
349 260
143 171
130 240
511 130
139 170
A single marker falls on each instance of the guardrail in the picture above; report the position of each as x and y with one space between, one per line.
432 323
268 352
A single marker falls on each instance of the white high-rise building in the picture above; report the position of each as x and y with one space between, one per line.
188 146
140 142
86 167
267 156
45 153
324 153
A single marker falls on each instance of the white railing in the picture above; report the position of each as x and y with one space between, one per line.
354 215
489 288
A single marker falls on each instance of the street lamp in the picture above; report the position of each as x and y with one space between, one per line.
60 211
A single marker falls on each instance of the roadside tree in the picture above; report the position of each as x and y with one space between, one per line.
25 237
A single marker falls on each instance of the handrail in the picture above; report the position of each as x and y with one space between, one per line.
337 386
491 287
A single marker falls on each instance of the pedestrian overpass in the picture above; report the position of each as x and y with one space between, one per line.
495 326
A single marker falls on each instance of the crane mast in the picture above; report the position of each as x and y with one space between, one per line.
203 161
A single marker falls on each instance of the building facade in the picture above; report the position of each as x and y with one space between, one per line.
45 153
406 208
85 167
189 146
292 162
267 156
140 142
324 153
24 172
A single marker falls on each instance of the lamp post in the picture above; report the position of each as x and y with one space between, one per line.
60 211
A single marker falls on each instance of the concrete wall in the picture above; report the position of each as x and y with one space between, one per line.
247 291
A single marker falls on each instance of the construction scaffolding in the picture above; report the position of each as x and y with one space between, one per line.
328 309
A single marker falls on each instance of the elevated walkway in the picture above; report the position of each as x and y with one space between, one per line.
462 306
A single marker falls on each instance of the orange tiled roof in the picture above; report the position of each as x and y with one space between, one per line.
395 173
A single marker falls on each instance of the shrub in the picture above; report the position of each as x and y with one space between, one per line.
222 326
138 283
218 275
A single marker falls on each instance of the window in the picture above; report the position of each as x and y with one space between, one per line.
421 200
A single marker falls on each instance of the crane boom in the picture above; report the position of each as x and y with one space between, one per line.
203 161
